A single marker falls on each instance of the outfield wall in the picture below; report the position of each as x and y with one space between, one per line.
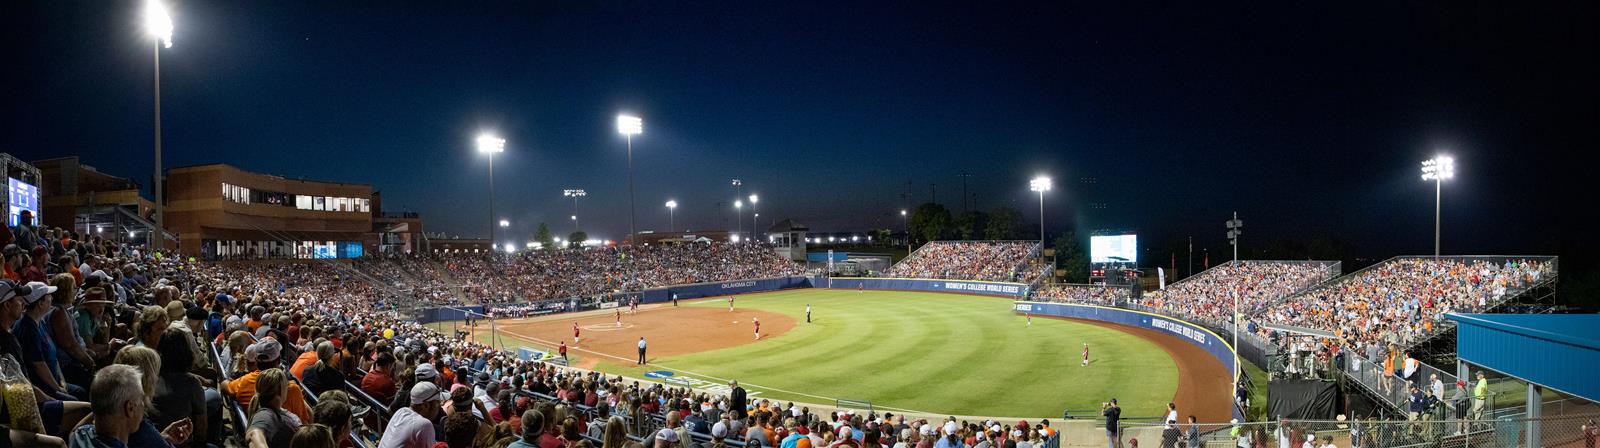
1194 334
1000 289
713 289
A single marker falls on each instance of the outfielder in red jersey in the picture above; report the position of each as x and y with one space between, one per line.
619 317
757 320
1085 354
577 336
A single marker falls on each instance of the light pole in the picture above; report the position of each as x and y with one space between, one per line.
1040 184
905 226
1235 228
1438 169
490 144
672 215
630 126
575 194
738 219
158 22
754 213
738 215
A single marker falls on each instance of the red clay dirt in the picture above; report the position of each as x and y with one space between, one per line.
1204 385
668 331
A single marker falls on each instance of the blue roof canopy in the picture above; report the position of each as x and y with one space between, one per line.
1558 351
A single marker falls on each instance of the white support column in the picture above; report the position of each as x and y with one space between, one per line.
1534 413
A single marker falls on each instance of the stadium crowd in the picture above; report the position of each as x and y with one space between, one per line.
1087 294
1209 295
1403 301
119 347
996 261
554 274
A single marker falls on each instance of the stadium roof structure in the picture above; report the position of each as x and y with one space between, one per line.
1557 351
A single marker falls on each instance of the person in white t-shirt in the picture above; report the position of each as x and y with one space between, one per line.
412 426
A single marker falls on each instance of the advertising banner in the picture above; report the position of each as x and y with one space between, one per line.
1001 289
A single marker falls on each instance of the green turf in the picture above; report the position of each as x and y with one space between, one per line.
937 353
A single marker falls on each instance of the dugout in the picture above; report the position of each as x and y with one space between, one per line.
1545 351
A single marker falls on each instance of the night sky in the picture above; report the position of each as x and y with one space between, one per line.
1308 122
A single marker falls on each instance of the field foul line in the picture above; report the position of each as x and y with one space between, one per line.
757 386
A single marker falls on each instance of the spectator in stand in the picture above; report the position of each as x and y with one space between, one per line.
412 426
262 355
379 382
967 260
270 424
178 394
118 409
39 359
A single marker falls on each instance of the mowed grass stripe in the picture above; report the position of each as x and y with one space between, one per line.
942 353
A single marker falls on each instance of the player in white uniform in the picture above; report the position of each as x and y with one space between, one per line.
730 304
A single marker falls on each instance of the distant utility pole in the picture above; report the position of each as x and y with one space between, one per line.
1191 256
964 198
935 188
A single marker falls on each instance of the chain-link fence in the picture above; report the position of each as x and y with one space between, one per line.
1425 431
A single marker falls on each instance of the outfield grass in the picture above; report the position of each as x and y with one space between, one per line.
936 353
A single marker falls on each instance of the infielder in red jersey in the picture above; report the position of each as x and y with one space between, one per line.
757 320
577 335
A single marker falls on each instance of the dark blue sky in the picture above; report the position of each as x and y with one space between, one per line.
1308 121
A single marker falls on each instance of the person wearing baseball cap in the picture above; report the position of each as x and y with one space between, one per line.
412 426
39 358
262 355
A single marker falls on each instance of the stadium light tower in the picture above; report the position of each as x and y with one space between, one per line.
755 213
158 22
1438 169
672 215
738 191
1040 184
1235 228
490 144
905 226
574 194
630 126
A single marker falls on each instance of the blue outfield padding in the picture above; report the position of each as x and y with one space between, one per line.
1001 289
1194 334
698 290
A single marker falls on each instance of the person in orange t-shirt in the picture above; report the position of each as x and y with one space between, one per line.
265 354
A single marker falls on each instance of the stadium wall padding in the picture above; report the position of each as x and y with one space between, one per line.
447 313
1194 334
1001 289
712 289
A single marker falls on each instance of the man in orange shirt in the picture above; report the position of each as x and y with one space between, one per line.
255 318
306 359
264 355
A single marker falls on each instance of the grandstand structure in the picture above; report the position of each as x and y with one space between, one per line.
995 261
1394 310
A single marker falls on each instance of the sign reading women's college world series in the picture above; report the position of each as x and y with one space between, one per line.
1003 289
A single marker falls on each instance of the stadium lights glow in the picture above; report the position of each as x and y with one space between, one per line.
738 204
754 199
1040 184
1439 168
902 212
489 144
630 125
511 247
733 238
505 223
574 217
830 239
158 22
854 238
